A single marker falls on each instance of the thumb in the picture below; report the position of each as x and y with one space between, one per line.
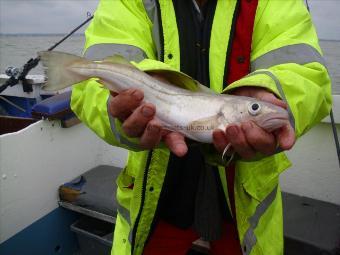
271 98
286 137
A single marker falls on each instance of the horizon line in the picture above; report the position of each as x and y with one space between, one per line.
14 34
82 34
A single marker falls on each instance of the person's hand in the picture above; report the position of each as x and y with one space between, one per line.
138 120
248 138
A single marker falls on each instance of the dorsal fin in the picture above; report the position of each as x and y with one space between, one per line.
182 80
204 89
173 77
177 79
117 59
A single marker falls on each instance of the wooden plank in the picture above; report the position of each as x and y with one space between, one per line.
9 124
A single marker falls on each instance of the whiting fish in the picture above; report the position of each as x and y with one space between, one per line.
182 104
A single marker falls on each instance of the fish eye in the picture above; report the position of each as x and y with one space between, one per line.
254 108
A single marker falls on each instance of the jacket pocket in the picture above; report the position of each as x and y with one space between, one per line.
125 184
261 177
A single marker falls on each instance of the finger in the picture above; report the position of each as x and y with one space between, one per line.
220 140
286 137
122 105
135 124
152 135
261 94
176 143
259 139
238 140
270 98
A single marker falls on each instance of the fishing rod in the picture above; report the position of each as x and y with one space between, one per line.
17 74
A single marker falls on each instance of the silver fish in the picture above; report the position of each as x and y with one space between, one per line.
194 113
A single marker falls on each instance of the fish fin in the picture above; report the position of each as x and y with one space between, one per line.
118 59
182 80
56 69
177 79
101 82
107 85
204 89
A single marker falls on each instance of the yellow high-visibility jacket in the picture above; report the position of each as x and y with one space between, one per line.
285 59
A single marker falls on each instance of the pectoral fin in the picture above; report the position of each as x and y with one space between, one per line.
108 85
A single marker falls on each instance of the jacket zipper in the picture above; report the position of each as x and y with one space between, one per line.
161 35
204 44
203 33
205 78
146 171
145 177
231 39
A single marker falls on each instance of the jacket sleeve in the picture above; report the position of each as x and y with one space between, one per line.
118 27
286 59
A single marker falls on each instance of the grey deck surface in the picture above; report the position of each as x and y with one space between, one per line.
310 226
331 50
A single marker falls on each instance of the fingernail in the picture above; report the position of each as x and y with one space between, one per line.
148 111
180 149
232 130
247 125
155 129
138 95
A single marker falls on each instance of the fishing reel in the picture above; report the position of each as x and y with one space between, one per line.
19 74
12 71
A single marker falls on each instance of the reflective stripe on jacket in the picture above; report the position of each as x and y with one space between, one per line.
285 59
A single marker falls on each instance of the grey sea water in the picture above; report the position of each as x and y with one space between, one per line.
16 50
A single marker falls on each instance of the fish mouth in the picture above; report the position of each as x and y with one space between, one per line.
273 122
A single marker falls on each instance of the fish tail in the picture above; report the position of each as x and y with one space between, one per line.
56 64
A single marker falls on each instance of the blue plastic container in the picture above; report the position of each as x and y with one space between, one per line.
24 106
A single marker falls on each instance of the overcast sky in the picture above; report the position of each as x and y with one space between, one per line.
61 16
